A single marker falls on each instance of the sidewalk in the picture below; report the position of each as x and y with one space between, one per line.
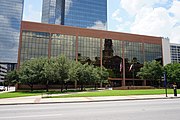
40 100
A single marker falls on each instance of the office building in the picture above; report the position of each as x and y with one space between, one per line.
10 20
175 52
114 50
3 72
78 13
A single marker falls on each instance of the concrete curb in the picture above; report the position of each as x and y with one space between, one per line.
128 99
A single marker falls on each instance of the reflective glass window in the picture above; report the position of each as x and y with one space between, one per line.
34 45
79 13
10 19
89 50
112 57
63 45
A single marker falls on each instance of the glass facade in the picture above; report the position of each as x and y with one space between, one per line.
79 13
34 45
175 53
153 52
122 58
10 19
134 58
89 50
112 57
63 45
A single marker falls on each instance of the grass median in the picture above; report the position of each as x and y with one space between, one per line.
34 93
117 93
77 93
17 94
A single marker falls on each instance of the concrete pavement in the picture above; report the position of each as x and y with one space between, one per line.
158 109
40 100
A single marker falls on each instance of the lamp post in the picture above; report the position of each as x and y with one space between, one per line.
165 83
133 72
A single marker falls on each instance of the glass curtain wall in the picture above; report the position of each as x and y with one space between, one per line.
153 52
63 45
134 58
34 45
89 50
10 20
86 13
112 57
79 13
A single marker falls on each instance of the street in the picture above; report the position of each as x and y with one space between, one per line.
164 109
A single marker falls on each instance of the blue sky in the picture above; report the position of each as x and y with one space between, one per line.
147 17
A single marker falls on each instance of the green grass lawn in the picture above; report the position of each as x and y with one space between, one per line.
28 93
88 94
118 93
17 94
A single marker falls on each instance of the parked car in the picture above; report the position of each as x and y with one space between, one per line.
2 88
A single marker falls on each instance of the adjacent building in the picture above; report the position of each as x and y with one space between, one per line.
78 13
3 71
122 54
10 20
175 52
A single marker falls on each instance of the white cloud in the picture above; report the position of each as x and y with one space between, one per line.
153 22
134 6
175 35
175 10
116 15
150 20
99 25
123 26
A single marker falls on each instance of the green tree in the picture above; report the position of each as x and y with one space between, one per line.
61 69
13 76
48 72
95 76
151 70
73 72
173 72
99 76
104 74
83 75
31 72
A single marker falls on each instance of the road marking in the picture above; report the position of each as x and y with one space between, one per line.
30 116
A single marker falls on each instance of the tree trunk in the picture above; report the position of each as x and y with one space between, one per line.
47 86
66 86
31 86
101 85
81 87
62 87
75 84
95 87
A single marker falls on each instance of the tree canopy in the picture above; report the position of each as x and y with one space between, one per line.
151 71
58 70
173 72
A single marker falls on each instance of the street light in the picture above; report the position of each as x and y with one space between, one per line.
133 73
165 83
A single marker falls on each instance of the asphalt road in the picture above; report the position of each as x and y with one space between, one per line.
164 109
